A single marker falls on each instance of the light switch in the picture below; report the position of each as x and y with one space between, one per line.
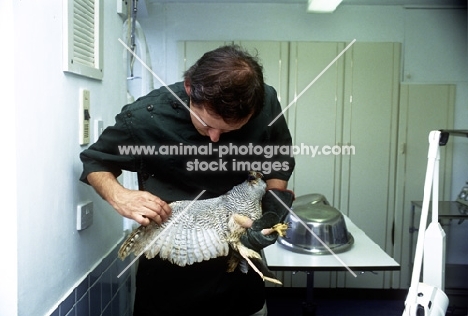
84 117
84 215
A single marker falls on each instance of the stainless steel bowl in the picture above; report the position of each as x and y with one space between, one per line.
327 224
310 199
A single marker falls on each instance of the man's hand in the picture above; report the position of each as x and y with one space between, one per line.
274 212
140 206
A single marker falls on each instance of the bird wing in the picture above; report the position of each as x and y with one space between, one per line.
199 230
192 234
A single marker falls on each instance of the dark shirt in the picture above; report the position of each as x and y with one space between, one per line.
161 123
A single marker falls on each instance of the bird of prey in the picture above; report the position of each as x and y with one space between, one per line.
206 229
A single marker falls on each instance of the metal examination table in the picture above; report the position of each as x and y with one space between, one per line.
364 255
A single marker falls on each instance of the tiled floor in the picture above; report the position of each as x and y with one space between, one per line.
345 302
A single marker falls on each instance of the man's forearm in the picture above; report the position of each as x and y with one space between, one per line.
105 184
140 206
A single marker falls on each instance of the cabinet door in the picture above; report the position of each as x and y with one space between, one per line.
315 115
370 127
423 108
315 119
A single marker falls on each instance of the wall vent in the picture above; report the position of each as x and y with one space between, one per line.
83 38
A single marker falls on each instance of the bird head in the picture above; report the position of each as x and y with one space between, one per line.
256 185
254 176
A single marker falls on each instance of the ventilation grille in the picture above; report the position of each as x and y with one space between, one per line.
83 32
83 47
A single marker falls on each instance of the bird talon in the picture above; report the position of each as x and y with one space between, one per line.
281 229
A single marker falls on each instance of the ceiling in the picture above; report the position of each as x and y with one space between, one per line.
457 3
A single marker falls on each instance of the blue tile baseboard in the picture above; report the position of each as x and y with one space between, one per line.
101 292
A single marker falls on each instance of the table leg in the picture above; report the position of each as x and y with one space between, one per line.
308 307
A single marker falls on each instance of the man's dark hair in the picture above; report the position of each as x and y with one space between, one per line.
228 81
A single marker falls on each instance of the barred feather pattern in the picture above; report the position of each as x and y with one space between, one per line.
204 231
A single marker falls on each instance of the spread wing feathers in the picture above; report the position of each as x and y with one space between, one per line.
199 233
199 230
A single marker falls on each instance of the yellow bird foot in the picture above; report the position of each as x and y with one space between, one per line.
281 229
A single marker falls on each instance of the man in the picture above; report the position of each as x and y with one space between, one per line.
212 145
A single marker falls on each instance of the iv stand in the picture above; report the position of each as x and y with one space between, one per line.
428 297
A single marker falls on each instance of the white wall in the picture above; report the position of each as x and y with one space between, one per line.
8 233
52 255
434 41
